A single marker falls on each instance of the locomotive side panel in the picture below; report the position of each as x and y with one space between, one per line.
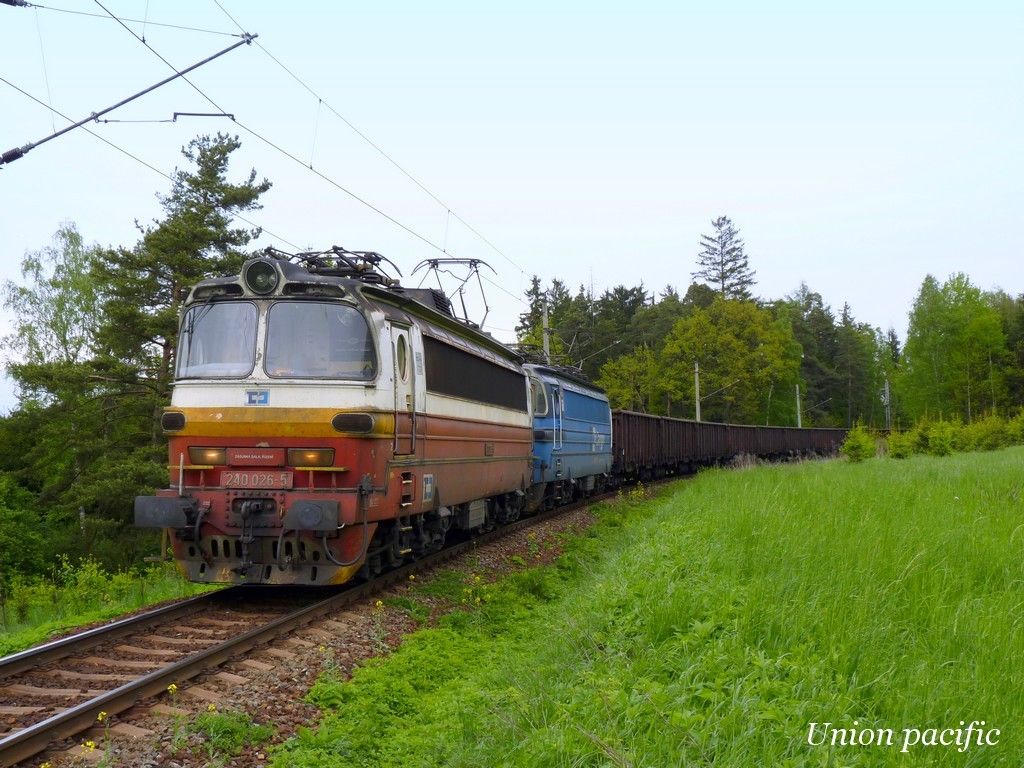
476 434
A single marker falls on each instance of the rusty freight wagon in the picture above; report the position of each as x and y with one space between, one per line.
646 446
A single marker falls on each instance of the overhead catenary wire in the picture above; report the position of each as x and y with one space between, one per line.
137 159
144 22
506 291
18 152
252 132
376 147
46 76
246 38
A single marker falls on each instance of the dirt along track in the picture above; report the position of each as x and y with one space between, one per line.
245 649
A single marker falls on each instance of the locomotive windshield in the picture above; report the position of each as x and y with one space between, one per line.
319 340
218 341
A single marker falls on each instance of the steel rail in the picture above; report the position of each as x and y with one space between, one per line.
65 646
27 742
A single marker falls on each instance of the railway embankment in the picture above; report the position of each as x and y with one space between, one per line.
811 613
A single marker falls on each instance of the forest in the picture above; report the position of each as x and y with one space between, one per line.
93 340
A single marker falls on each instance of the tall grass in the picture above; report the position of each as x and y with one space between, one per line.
712 625
81 593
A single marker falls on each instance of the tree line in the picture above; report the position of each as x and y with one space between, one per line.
963 357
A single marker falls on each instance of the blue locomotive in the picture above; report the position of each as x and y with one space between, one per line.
572 436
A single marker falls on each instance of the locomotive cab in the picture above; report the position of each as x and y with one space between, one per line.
299 430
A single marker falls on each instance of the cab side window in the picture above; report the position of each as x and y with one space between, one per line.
540 398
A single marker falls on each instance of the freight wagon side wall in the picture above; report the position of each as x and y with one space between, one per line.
643 444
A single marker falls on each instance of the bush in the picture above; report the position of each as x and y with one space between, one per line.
901 444
1015 429
989 434
859 444
942 437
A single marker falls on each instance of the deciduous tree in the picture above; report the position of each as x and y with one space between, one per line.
954 356
749 363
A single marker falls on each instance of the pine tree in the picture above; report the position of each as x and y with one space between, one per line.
722 262
532 317
147 284
814 327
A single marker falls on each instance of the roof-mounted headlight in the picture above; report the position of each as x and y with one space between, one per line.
261 277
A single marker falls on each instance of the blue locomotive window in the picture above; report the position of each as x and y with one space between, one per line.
316 340
217 341
540 398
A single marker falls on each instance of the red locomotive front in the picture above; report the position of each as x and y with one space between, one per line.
322 424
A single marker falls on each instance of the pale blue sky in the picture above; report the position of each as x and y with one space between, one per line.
857 148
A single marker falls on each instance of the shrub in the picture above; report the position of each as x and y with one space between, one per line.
988 434
941 437
919 437
901 444
859 444
1015 429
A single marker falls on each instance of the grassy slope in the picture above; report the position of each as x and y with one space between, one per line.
712 624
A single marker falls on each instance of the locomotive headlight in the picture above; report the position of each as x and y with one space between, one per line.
261 277
201 456
310 457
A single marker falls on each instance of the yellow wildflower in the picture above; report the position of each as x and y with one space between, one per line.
172 689
211 707
89 745
379 604
101 717
412 577
322 648
47 764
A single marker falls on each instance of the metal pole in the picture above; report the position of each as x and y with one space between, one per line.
888 407
696 387
547 345
799 420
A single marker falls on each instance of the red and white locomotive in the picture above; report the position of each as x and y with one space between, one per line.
325 419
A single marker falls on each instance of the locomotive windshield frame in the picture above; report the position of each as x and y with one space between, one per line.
212 331
321 354
279 339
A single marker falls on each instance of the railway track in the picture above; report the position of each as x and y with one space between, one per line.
58 690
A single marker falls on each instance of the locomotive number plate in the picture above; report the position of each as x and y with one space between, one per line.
254 479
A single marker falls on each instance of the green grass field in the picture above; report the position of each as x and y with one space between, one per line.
712 624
